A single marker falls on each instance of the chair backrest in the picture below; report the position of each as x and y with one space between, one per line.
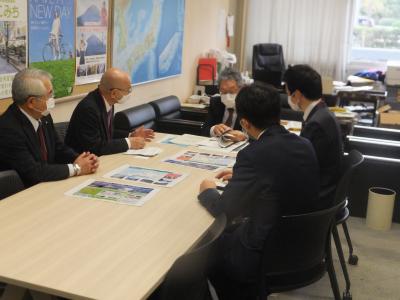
10 183
187 280
268 63
61 129
167 107
134 117
349 165
298 242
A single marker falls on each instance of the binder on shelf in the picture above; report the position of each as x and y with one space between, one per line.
207 71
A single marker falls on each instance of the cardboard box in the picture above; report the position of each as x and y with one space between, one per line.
391 117
393 73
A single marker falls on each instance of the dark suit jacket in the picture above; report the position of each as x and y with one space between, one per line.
273 176
323 131
20 149
215 116
87 130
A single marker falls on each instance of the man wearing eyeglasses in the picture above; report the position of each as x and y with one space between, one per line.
91 125
29 143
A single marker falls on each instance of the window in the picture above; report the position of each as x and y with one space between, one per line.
376 35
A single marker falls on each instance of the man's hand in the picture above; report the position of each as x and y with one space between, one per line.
236 136
137 142
219 129
225 175
207 184
147 134
88 163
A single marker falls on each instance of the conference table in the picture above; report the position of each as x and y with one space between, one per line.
82 248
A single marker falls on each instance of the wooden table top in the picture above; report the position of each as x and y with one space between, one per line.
87 249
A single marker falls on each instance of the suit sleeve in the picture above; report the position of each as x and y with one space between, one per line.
235 197
18 157
91 137
318 138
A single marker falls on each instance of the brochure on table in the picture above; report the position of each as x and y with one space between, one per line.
144 175
202 160
113 192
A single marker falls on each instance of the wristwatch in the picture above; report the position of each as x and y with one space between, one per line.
77 169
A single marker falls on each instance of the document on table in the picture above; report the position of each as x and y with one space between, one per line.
146 152
188 139
113 192
145 175
201 160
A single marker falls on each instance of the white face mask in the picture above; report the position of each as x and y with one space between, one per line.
292 105
228 100
125 98
50 104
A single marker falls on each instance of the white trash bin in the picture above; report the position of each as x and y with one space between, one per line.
380 208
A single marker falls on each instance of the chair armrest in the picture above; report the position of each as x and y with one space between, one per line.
179 126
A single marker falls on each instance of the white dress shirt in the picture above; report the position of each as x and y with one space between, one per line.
310 108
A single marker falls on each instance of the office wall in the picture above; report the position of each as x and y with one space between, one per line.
202 18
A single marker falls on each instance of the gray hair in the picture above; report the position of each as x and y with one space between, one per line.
29 82
230 74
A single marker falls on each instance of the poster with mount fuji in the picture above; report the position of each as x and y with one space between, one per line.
91 40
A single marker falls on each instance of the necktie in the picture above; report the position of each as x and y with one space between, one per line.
228 121
42 142
109 122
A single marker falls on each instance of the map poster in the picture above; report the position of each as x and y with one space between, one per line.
148 38
91 40
13 42
51 40
113 192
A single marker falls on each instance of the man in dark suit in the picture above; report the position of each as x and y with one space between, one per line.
277 174
91 125
304 89
29 142
222 116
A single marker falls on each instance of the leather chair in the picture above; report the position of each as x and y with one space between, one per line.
170 118
10 183
373 147
374 172
61 129
128 120
268 64
377 133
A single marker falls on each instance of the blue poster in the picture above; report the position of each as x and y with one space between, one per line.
51 41
148 38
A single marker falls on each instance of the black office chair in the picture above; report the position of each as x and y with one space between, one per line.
170 118
350 164
187 280
268 64
298 253
10 183
61 129
128 120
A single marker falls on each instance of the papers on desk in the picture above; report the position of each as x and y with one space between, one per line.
201 160
292 126
202 142
144 175
145 152
113 192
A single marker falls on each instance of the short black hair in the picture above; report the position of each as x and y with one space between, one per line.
260 104
304 79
